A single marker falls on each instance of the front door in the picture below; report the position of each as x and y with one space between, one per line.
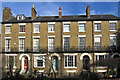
55 63
86 63
25 64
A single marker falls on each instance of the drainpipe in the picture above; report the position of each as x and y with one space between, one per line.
61 49
93 44
31 52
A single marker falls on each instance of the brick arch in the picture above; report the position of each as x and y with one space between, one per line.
54 55
20 58
85 54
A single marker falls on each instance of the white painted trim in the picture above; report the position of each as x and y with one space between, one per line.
113 35
10 54
21 23
101 53
97 21
20 57
7 37
97 35
21 36
101 70
40 70
51 36
55 54
8 24
112 21
84 54
36 36
81 21
21 32
66 22
36 23
39 54
66 35
115 54
113 30
70 54
81 35
51 22
71 70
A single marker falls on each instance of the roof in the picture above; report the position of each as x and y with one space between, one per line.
64 18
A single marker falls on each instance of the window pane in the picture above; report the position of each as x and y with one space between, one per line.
66 28
36 44
51 27
66 43
22 28
8 29
82 43
36 28
97 43
81 27
97 26
21 44
112 26
51 44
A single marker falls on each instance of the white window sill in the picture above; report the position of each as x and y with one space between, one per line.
14 67
66 31
51 31
21 32
70 67
21 50
36 32
112 30
97 30
8 33
81 31
39 67
6 66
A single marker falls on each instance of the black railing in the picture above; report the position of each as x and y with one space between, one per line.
59 49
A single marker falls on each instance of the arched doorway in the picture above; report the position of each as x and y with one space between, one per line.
86 63
24 63
55 63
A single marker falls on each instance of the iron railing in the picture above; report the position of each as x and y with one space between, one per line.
59 49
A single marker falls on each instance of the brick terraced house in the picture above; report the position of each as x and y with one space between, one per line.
66 45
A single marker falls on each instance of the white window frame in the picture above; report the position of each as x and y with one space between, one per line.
97 36
6 25
19 27
8 38
37 26
84 36
73 61
115 37
51 23
64 36
65 25
22 37
53 45
115 23
34 49
36 57
95 27
82 26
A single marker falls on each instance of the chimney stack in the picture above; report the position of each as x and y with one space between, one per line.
88 11
7 14
33 12
60 12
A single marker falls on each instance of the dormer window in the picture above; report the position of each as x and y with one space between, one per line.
20 17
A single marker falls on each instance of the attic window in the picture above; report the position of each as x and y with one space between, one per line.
20 17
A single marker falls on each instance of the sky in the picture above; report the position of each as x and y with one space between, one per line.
68 8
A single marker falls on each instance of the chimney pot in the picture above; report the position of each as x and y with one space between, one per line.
5 7
60 8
